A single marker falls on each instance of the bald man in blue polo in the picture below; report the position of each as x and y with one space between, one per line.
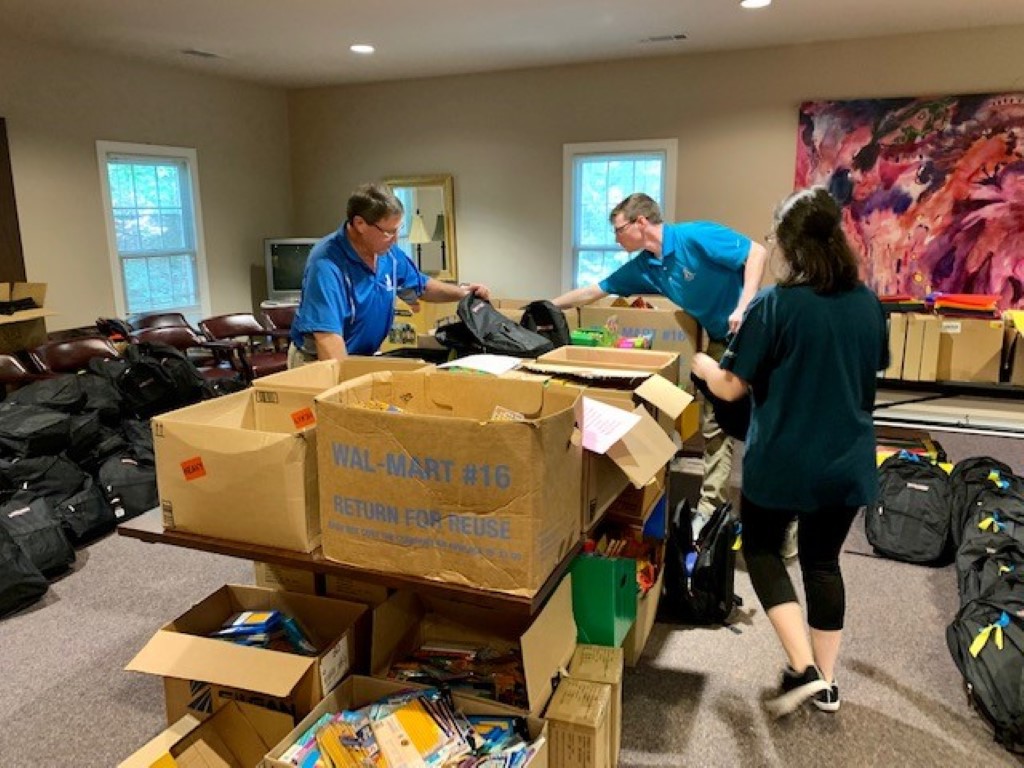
352 278
707 269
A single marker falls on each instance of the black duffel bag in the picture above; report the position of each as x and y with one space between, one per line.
33 524
29 430
21 583
129 485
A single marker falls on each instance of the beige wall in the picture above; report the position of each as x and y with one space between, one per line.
58 104
501 134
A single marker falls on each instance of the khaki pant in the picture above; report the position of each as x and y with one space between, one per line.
297 358
714 489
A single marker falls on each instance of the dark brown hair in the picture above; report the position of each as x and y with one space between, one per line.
636 205
373 202
808 230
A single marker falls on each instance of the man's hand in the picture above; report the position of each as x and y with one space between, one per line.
735 319
480 290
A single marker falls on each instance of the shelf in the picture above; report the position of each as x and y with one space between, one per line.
998 391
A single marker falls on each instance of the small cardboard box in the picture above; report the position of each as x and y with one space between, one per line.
202 673
355 590
444 489
357 691
284 401
897 345
407 620
672 329
284 578
646 614
237 734
970 349
599 664
921 347
219 476
665 364
635 504
578 723
25 329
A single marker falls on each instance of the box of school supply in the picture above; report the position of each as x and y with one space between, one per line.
220 476
970 349
1014 347
603 598
578 720
599 664
282 577
284 401
649 361
237 734
545 643
202 672
357 691
646 613
454 477
897 322
921 347
407 325
25 327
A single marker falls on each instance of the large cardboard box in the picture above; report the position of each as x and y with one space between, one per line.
921 347
202 673
357 691
546 642
1014 347
897 345
672 330
578 723
648 362
599 664
220 476
236 735
284 401
970 349
25 329
450 487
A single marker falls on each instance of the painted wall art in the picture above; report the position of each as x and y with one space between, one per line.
932 189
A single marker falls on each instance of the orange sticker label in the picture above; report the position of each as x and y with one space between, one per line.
193 468
304 418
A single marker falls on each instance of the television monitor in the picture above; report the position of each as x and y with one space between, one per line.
286 260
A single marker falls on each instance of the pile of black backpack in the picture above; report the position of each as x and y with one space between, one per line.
975 515
76 459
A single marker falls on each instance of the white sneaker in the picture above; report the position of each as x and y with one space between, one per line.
789 547
697 522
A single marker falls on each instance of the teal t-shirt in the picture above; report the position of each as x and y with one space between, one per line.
811 363
700 270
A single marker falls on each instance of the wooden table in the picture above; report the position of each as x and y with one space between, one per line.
149 527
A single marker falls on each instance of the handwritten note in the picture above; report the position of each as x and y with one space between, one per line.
604 425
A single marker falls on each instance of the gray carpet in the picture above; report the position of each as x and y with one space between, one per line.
694 700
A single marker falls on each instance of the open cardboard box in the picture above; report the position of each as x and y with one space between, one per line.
25 329
443 490
358 691
202 673
284 401
407 620
220 476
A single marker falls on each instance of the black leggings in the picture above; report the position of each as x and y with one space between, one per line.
820 537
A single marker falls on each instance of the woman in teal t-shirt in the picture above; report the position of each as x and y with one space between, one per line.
808 352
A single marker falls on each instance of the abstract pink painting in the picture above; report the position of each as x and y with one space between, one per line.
932 189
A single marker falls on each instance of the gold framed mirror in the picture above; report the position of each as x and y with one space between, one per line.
428 230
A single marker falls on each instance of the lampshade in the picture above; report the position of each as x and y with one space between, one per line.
439 233
418 232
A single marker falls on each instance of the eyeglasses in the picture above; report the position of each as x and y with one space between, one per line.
619 230
386 232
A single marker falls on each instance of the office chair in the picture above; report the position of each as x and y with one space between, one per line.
214 359
71 355
260 355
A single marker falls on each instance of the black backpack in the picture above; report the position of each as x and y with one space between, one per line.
61 393
986 640
983 560
995 510
549 321
33 524
969 477
129 485
21 583
483 329
30 430
910 520
86 515
699 576
157 379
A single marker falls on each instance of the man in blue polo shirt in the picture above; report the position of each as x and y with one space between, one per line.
705 268
352 278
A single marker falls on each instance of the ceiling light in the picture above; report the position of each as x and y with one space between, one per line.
755 3
361 48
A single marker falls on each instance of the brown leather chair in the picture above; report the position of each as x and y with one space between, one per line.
72 355
14 374
162 320
279 321
260 355
214 359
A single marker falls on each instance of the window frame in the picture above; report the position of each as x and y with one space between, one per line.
187 155
570 152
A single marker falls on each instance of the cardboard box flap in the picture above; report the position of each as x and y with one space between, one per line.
393 621
159 746
643 451
619 376
664 395
549 643
515 395
173 654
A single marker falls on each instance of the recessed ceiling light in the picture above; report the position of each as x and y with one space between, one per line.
755 3
360 48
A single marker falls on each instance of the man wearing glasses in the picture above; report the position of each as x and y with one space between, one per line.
705 268
352 278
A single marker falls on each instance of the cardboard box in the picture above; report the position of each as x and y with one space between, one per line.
443 491
202 673
1014 347
220 476
970 349
25 329
407 324
929 370
237 734
358 691
897 345
646 361
646 614
635 504
603 665
921 347
578 723
284 578
672 329
284 401
547 642
355 590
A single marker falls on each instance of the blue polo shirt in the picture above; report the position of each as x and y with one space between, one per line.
700 270
341 294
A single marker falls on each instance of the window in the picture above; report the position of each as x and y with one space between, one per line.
151 197
597 178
